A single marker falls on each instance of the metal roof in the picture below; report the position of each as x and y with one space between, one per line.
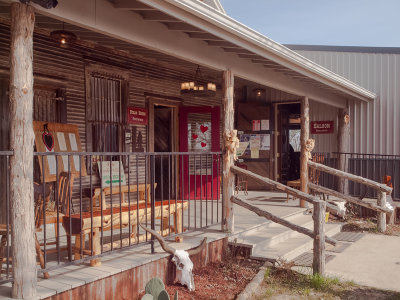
356 49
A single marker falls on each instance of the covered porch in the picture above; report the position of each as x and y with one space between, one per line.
141 67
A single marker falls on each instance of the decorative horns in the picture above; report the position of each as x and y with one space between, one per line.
170 249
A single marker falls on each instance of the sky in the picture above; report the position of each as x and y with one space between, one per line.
374 23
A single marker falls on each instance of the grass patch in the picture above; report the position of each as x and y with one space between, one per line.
284 281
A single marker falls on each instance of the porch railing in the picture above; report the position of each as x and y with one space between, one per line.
370 166
89 205
5 226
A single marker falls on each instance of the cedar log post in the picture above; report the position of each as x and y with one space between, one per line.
21 141
343 147
304 136
319 238
381 216
228 176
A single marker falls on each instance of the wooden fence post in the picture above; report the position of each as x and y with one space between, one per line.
319 238
381 216
343 145
21 141
228 162
304 136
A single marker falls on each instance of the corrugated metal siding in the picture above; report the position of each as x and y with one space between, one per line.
323 112
374 126
69 65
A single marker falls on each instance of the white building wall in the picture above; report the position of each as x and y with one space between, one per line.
375 126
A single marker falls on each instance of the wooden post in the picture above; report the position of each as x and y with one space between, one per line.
319 238
228 176
343 143
21 141
305 134
381 216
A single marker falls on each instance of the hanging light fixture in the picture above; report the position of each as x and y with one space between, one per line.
63 37
196 87
259 92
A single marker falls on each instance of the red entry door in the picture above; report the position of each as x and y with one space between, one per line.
199 132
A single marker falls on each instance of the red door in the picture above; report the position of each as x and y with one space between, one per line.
199 132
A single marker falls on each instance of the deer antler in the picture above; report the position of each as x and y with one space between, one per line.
163 243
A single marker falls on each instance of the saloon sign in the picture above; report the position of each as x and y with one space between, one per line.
318 127
137 115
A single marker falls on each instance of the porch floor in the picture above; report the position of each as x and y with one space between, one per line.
72 276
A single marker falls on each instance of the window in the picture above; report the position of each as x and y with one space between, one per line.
107 93
105 121
49 104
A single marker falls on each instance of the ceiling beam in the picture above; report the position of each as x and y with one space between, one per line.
221 44
182 27
157 16
204 36
237 50
131 5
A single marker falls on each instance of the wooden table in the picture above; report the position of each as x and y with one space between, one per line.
100 194
118 218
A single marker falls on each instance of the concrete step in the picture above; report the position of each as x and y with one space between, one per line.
271 233
291 247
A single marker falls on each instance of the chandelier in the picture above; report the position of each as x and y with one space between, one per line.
62 37
197 86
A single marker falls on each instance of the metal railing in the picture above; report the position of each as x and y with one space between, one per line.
88 205
5 225
370 166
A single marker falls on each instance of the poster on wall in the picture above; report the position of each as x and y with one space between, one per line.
321 127
256 125
199 136
265 140
264 124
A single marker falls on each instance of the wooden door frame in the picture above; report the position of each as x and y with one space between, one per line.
172 102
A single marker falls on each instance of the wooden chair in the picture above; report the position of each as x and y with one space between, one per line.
314 175
64 193
241 181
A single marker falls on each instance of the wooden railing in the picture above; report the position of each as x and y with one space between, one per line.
318 216
381 189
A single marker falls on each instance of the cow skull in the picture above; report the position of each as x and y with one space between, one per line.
181 259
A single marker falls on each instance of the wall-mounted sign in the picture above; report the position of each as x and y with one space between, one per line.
116 174
137 115
319 127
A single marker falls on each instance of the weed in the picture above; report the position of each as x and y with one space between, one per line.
267 273
319 282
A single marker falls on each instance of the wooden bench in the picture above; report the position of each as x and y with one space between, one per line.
99 194
117 218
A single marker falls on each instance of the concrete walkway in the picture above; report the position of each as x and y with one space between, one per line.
374 261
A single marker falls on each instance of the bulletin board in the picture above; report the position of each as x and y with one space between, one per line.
57 137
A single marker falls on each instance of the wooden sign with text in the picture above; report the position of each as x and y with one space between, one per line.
321 127
137 115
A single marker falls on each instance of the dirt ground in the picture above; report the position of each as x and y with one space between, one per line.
369 225
223 280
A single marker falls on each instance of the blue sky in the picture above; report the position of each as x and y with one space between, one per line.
321 22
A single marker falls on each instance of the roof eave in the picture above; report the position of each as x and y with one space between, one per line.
253 41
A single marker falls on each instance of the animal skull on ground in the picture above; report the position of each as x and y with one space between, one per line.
181 259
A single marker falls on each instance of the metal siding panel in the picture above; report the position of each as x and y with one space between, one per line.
373 125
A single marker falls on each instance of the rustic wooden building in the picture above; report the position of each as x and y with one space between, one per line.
136 57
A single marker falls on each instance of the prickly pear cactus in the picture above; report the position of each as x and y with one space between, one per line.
154 287
147 297
163 295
